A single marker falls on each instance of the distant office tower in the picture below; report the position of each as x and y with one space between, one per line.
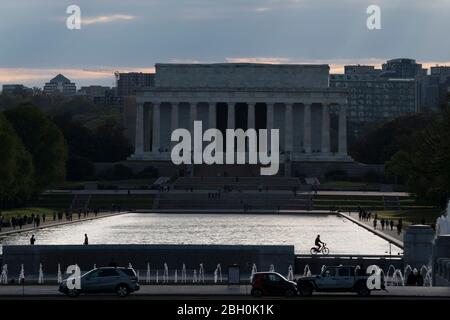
435 88
92 92
129 83
376 96
60 85
16 89
403 68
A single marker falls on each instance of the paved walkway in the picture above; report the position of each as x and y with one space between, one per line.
50 223
217 290
205 191
387 234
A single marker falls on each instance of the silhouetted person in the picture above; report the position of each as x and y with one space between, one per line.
375 221
392 224
86 240
318 243
32 240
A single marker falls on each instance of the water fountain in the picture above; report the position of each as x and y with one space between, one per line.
147 280
322 268
138 275
398 278
4 275
95 266
218 274
254 270
407 271
272 268
290 275
130 266
306 271
157 276
41 275
175 277
194 278
21 274
183 274
59 277
166 273
201 274
443 223
428 280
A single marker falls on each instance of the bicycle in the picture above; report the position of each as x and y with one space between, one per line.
323 249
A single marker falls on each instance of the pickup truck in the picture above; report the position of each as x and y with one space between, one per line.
336 279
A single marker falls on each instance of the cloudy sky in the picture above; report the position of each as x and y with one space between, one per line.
131 35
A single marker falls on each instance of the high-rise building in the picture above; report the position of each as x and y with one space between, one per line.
16 89
60 85
374 95
403 68
129 83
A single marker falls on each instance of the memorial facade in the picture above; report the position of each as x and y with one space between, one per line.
296 99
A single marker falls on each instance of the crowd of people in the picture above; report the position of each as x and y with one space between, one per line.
20 221
386 224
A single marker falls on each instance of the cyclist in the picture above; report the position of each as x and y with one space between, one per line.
318 243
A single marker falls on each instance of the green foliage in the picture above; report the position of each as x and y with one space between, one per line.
16 168
382 142
43 140
426 168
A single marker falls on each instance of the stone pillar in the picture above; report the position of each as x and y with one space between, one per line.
193 117
342 143
139 142
418 245
212 115
307 128
325 148
156 143
270 122
174 117
250 116
230 120
288 122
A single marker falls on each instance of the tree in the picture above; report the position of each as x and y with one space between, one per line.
426 167
43 140
378 145
16 168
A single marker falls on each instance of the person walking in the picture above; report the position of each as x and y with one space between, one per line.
32 240
86 240
392 225
375 224
382 224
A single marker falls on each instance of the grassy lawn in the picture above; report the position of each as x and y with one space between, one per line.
411 216
344 184
7 214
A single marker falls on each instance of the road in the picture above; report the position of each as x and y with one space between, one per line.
213 292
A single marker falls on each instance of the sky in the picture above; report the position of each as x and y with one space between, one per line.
133 35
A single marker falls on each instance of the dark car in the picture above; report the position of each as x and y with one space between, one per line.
337 279
120 280
272 284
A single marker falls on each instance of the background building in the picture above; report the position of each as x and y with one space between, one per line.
129 83
435 88
376 96
60 85
16 89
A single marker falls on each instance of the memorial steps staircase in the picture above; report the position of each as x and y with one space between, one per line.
237 183
234 201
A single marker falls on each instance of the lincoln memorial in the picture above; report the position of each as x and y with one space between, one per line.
296 99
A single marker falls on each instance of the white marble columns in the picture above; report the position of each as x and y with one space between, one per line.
315 116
